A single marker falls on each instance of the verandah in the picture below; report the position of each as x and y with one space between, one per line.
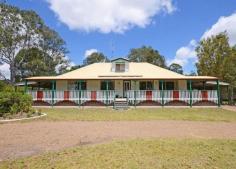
134 97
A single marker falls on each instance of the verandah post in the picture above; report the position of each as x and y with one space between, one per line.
135 87
190 92
79 88
107 93
218 92
53 91
162 92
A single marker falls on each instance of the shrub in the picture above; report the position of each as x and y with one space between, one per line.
6 87
14 103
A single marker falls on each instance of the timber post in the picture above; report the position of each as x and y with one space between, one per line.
162 93
190 93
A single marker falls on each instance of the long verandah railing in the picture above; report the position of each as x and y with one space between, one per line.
166 96
134 97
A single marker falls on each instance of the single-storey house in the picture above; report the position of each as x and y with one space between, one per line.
140 83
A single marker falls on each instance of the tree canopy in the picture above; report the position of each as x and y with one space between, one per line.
147 54
95 57
34 62
176 68
217 58
211 53
23 30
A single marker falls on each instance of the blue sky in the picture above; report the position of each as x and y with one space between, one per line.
172 27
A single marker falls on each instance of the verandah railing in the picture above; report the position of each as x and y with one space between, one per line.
163 97
134 96
79 97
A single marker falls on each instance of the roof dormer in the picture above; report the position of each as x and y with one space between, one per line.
120 65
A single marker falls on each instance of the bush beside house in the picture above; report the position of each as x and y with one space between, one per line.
14 104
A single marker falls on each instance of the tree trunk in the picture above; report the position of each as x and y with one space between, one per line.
12 73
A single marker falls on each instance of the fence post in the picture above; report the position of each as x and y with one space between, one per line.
218 92
190 90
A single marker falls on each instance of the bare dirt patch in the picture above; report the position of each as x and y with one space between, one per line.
231 108
24 139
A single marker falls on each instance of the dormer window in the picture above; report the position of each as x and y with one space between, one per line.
120 65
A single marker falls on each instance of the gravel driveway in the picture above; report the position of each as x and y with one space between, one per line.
23 139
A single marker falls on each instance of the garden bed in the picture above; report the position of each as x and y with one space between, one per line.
19 117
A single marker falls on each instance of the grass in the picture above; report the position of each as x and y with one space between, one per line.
108 114
135 154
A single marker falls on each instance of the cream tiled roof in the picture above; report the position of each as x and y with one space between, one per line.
136 71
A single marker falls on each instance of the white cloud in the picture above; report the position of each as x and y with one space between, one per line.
185 54
5 71
225 23
89 52
108 15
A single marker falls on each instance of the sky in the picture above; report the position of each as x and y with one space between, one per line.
113 27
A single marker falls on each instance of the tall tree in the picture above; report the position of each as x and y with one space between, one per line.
53 45
229 73
217 58
22 29
147 54
95 58
176 68
34 62
211 53
16 33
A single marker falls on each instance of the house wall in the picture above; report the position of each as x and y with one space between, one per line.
61 85
182 85
156 85
133 85
119 87
93 84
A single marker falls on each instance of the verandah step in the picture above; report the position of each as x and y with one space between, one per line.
121 103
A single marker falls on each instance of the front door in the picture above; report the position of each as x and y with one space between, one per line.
126 86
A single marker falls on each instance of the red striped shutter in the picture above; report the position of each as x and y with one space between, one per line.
175 95
39 95
204 96
93 95
149 95
66 95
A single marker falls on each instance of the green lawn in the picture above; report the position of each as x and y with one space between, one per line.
108 114
150 154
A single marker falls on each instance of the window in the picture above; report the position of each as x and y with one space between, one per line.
111 85
167 86
71 85
74 85
120 67
83 85
146 85
170 85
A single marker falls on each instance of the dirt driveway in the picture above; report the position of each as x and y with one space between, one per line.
23 139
